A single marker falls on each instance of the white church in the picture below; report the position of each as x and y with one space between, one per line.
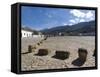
27 32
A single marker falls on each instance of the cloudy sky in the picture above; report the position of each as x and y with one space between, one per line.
41 18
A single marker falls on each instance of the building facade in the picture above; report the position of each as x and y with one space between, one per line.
26 32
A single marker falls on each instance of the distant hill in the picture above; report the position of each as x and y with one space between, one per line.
83 28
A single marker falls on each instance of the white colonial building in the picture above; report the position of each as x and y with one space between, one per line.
26 32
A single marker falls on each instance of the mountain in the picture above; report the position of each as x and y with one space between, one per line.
87 28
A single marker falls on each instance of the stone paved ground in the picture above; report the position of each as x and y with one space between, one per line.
30 61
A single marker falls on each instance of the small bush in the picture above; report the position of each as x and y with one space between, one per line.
41 42
29 48
38 43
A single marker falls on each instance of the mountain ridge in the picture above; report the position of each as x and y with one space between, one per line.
83 27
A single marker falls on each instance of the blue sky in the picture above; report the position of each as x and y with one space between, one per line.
40 18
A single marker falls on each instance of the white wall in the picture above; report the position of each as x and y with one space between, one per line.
26 33
29 34
5 42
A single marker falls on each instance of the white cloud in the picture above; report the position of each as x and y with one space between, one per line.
82 20
65 24
77 13
72 21
81 16
70 24
89 14
77 19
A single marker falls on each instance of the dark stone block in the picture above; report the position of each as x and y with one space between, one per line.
62 55
82 53
42 52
